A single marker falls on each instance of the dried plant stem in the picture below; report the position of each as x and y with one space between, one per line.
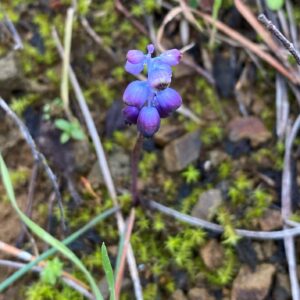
64 88
38 157
134 168
285 42
103 166
91 32
17 39
73 284
286 209
121 268
259 235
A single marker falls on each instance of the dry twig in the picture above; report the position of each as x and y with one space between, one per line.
285 42
259 235
39 157
286 202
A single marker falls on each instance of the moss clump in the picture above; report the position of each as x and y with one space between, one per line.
44 291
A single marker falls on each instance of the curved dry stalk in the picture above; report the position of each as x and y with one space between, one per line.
259 235
168 18
286 209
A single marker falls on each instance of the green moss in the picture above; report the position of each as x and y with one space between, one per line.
43 291
225 274
183 246
225 169
191 174
147 164
189 201
19 176
226 220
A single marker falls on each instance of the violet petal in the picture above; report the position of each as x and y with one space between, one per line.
134 68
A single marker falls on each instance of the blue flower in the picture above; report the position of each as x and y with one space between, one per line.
148 121
167 101
148 101
136 93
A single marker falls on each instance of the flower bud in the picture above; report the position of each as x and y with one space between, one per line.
148 121
135 56
130 114
136 93
167 101
171 57
150 48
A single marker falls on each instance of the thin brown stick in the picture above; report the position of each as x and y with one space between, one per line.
252 20
288 73
91 32
285 42
121 8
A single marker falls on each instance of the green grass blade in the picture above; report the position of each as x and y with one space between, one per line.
44 235
11 279
108 272
120 251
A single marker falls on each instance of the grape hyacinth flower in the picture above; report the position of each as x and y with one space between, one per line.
150 100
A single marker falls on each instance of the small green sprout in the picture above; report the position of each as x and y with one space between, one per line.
191 174
69 130
52 271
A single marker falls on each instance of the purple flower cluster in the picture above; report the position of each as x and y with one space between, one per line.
148 101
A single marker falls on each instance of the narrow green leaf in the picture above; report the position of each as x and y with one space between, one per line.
11 279
44 235
108 272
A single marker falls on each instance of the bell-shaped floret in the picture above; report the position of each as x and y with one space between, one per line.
148 121
136 93
130 114
171 57
135 56
159 74
167 101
